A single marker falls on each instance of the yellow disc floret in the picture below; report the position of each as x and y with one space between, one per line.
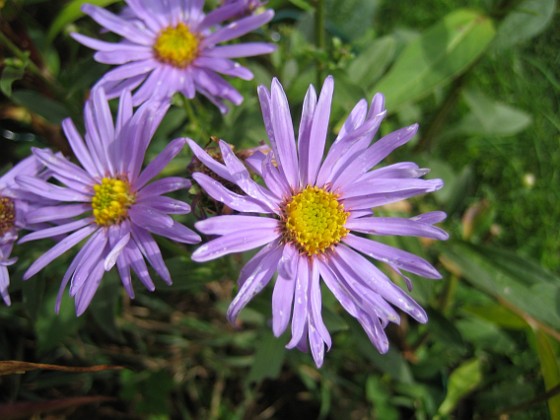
111 200
314 220
177 46
7 214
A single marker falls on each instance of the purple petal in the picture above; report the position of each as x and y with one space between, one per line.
177 232
117 25
392 256
319 128
284 134
224 66
375 154
235 242
283 294
148 217
4 283
48 190
218 168
247 49
160 162
255 282
115 252
51 213
138 265
59 249
301 303
86 293
90 260
238 28
233 200
166 205
56 230
396 226
305 141
151 252
164 186
225 225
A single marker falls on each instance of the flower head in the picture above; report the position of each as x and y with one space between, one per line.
14 206
108 199
315 218
173 47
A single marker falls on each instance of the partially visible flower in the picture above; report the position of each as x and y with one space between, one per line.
316 219
173 47
13 211
109 199
249 5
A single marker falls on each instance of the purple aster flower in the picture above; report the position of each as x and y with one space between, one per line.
109 200
13 210
172 46
313 217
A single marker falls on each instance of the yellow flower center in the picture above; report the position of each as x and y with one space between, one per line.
7 214
111 201
314 220
177 46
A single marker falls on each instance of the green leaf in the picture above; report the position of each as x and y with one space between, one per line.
70 13
527 20
51 328
508 277
442 52
462 381
372 62
490 117
49 109
348 18
496 314
268 358
11 74
550 370
302 4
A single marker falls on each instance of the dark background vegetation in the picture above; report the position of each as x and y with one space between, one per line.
482 82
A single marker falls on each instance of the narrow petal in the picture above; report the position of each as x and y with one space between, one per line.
48 190
151 252
396 226
235 201
284 134
238 28
56 230
392 256
176 232
160 162
301 303
146 216
235 242
283 294
305 143
113 255
117 25
164 186
319 129
225 225
255 282
86 293
247 49
51 213
59 249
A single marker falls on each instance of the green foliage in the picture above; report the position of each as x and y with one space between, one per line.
483 84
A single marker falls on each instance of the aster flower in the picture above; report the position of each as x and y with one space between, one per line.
172 46
13 210
108 199
313 218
